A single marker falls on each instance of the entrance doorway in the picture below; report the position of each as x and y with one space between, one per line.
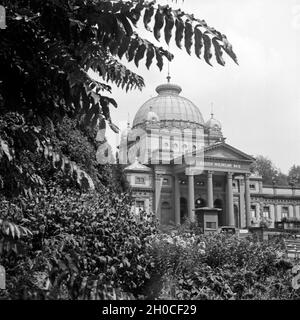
166 213
218 203
236 215
183 210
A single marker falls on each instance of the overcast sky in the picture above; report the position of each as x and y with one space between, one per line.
257 102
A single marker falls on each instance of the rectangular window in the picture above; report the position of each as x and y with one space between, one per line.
139 180
252 186
284 212
211 225
253 211
266 212
139 205
165 181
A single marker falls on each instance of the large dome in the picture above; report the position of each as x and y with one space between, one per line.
168 105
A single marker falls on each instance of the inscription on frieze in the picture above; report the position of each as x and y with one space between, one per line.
223 165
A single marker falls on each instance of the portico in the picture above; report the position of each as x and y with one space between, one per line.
214 168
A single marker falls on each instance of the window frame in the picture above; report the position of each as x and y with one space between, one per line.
284 214
210 227
266 211
138 206
253 211
139 180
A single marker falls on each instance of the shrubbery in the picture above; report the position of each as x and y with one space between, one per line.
84 246
221 266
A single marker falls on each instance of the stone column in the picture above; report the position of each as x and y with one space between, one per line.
291 211
158 183
276 212
294 210
242 203
191 196
210 196
297 208
272 215
260 185
230 212
247 201
177 200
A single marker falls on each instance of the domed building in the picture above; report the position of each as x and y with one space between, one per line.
170 108
181 166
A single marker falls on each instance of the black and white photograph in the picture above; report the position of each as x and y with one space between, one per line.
149 153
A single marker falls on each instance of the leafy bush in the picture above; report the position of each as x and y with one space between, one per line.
221 266
84 246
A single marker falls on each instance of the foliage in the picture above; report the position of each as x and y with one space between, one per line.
224 267
294 176
46 52
265 222
51 112
82 247
11 235
270 174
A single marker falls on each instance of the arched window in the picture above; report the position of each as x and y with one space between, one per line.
218 204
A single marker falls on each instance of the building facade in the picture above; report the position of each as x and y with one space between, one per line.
179 163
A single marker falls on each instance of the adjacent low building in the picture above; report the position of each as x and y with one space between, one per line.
179 162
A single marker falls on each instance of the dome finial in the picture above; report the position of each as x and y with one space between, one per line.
128 121
168 77
211 112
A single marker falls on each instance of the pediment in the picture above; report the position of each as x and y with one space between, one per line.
225 151
137 166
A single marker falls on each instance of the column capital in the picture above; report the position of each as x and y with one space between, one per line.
158 176
210 172
247 175
229 175
159 172
189 172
